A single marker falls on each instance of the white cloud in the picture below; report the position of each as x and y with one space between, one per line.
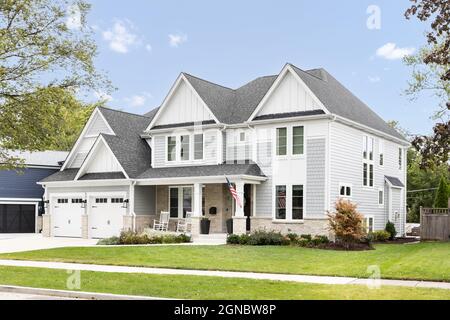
175 40
121 37
390 51
138 100
73 17
148 47
374 79
103 96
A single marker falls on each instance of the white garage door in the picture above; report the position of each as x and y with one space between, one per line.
66 217
106 216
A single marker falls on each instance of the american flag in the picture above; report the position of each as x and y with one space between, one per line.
234 193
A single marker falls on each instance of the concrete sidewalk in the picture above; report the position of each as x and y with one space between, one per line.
226 274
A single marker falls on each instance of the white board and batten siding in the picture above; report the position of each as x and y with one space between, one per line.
346 167
307 169
102 161
290 96
97 126
184 106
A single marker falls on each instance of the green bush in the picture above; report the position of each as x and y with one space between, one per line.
233 239
390 228
380 236
109 241
302 242
306 236
318 240
130 237
244 239
292 237
266 238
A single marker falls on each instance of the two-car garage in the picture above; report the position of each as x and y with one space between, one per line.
103 215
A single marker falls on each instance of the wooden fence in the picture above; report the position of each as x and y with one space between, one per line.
435 224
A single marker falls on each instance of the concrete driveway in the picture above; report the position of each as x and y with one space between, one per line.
26 242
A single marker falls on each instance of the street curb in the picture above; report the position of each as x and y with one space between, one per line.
74 294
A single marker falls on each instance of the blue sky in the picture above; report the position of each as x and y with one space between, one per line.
144 45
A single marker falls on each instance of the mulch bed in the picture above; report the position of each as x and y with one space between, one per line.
399 241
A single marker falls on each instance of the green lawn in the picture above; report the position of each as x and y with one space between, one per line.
202 288
425 261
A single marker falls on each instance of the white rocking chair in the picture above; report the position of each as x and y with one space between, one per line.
163 223
184 225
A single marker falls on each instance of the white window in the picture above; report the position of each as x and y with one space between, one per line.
180 201
345 190
400 158
367 161
381 152
297 140
184 148
369 221
297 202
280 202
281 141
171 148
380 196
198 146
289 202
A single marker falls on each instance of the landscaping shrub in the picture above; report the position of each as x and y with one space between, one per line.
233 239
380 236
306 236
292 237
109 241
390 228
346 223
130 237
319 240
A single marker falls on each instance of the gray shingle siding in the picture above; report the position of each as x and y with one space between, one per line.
315 178
22 184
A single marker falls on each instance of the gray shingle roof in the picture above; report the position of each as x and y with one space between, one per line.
251 169
132 152
235 106
103 176
340 101
66 175
394 181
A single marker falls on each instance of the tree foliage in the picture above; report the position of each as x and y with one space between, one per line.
346 223
44 62
431 72
439 36
442 194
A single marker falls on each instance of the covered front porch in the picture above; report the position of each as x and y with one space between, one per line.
207 197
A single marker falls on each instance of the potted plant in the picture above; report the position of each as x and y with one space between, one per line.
204 225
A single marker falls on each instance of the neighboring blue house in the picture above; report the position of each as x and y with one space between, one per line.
20 196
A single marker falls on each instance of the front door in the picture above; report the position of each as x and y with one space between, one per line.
248 204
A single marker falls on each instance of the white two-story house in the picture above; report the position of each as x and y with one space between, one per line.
292 144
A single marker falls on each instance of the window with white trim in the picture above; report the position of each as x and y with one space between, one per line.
171 148
380 197
298 140
116 200
184 147
180 201
297 202
368 161
77 200
242 137
345 190
381 152
280 202
101 200
281 141
198 146
369 223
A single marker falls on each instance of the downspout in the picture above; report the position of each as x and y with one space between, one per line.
131 205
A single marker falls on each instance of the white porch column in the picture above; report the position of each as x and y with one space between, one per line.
197 209
239 219
239 210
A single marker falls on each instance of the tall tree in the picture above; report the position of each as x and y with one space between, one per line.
431 71
46 56
441 200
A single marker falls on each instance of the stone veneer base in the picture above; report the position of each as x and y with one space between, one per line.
313 227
